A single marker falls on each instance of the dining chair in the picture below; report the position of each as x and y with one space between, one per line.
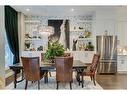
67 54
64 70
32 70
91 70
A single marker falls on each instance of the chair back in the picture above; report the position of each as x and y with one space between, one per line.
67 54
42 57
95 63
31 68
64 67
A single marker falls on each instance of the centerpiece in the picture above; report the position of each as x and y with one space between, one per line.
54 50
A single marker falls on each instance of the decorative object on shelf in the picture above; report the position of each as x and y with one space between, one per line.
81 35
87 34
74 44
89 47
39 37
40 48
27 45
34 37
27 36
54 49
32 49
81 28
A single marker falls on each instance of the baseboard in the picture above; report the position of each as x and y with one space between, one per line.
122 72
8 73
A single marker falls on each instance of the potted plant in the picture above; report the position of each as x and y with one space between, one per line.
54 49
90 47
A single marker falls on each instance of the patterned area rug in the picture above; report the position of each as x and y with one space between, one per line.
51 85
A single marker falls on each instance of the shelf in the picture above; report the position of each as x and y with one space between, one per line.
33 39
84 39
77 30
32 21
82 21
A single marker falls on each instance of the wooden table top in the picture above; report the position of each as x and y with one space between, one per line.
76 64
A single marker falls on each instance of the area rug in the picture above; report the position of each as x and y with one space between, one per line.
51 85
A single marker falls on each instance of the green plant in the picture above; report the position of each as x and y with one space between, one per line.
54 49
90 47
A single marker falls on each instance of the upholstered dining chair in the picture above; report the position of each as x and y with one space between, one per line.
64 71
32 70
67 54
91 71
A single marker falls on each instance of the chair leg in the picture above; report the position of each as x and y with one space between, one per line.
26 84
50 74
94 81
79 83
79 80
38 84
91 78
70 84
57 85
82 82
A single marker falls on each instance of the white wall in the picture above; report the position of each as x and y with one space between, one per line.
2 45
105 20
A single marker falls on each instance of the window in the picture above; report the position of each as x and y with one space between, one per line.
8 54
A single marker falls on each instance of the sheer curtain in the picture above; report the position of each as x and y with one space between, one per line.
8 54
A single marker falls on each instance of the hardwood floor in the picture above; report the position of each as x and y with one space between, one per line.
107 82
10 79
118 81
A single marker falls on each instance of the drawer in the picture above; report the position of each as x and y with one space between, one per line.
122 65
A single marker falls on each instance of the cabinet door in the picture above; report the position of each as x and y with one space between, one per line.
122 33
103 25
122 63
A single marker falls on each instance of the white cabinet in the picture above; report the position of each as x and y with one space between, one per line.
122 63
105 25
122 32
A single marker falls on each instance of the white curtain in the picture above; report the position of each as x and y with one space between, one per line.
62 39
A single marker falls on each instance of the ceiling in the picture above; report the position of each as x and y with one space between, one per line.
55 10
61 10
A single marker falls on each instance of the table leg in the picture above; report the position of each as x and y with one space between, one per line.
78 73
22 75
15 79
16 71
78 77
46 76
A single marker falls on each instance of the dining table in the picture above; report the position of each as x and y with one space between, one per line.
45 67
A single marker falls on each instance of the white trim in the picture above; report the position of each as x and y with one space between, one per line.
122 72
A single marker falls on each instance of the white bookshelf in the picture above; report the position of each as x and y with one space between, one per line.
34 38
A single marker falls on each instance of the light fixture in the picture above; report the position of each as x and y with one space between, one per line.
46 30
72 9
27 9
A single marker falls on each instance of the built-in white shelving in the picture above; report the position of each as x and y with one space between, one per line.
34 41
